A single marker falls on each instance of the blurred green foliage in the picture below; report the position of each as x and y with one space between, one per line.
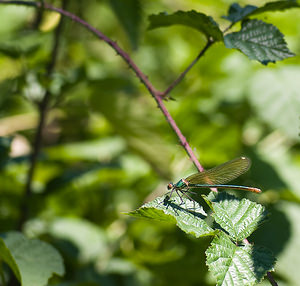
107 148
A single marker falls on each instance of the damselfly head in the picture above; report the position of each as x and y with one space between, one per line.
170 186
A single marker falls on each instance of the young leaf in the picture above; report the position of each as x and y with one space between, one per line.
237 13
193 19
238 217
237 265
32 261
259 41
129 14
187 214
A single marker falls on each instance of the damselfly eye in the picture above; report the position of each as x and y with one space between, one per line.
170 186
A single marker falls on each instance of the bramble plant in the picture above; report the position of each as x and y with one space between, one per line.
227 219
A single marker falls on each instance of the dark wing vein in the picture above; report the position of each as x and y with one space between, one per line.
221 174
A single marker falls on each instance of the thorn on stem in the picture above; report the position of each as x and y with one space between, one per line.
167 98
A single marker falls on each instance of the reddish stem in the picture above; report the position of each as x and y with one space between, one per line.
271 279
182 75
144 79
182 139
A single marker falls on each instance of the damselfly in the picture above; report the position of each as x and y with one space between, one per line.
216 177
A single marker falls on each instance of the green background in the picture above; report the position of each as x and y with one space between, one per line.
107 148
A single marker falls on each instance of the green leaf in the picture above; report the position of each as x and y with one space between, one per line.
12 19
17 51
259 41
129 14
238 217
88 238
233 264
199 21
32 261
188 215
23 44
276 6
237 13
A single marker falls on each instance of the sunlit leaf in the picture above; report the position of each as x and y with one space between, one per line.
95 150
236 265
259 41
89 239
50 21
32 261
13 18
193 19
238 217
188 215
